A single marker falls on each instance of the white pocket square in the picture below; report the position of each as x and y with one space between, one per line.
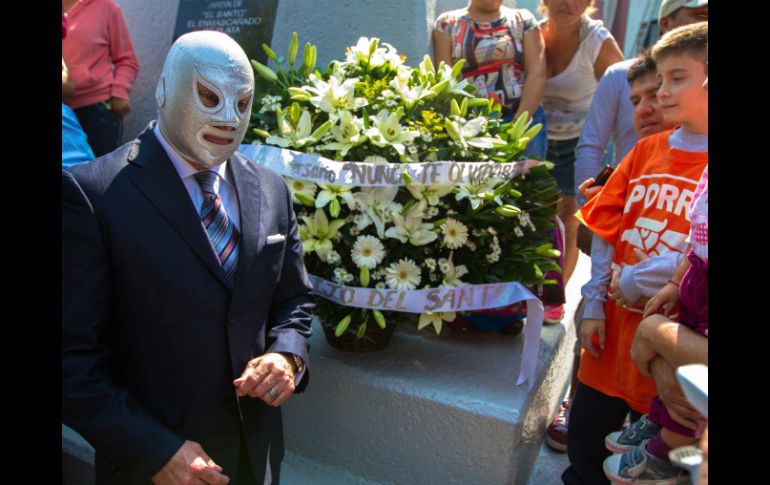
275 238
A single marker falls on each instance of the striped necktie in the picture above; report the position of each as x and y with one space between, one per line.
223 235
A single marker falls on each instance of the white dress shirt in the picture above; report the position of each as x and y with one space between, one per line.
224 184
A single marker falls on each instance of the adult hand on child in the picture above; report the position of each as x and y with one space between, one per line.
663 302
588 328
671 393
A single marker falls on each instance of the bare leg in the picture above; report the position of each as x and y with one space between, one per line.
566 210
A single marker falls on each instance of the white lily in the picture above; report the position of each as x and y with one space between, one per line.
436 319
381 55
454 86
330 192
317 234
467 133
386 130
453 274
336 94
347 134
411 228
291 136
410 95
377 204
428 194
476 191
302 191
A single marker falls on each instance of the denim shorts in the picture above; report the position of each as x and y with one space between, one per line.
562 154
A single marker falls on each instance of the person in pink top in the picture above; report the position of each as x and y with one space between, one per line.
102 65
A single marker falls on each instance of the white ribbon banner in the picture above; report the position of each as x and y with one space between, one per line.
315 168
469 297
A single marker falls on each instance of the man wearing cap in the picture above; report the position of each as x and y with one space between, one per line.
185 302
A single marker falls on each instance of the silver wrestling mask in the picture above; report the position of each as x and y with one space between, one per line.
201 134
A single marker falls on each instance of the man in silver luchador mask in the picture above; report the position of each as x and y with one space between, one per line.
186 306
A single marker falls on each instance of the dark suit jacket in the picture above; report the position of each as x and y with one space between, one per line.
153 333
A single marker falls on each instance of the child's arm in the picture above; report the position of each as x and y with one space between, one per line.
636 284
594 293
668 297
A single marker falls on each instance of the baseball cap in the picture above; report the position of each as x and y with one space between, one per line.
670 6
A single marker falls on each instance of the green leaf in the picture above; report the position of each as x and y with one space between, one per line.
458 67
379 318
321 131
304 199
342 325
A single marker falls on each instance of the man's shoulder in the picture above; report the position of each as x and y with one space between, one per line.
263 174
96 175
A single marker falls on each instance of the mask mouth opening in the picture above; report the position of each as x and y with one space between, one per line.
221 135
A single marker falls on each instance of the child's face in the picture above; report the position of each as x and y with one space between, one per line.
648 115
681 93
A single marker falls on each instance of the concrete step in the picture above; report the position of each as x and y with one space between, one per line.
429 409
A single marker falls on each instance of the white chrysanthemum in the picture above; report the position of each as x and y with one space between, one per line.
443 265
491 230
455 233
333 257
380 286
517 230
493 258
375 159
341 276
430 263
404 275
367 252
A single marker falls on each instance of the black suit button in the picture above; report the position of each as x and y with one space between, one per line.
230 394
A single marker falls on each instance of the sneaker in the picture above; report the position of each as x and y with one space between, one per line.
556 434
554 315
631 437
638 467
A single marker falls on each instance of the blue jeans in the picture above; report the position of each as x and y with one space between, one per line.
562 154
102 127
538 146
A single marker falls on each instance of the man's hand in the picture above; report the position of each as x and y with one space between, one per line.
671 394
663 302
121 107
616 293
263 374
190 464
589 327
586 191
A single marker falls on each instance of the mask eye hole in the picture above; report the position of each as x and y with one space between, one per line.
208 97
243 104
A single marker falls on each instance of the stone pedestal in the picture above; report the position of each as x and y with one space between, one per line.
429 409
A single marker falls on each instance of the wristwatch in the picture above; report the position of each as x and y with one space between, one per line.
296 362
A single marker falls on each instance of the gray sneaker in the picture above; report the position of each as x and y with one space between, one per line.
638 467
631 437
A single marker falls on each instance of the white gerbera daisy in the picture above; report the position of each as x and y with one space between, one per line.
367 252
404 275
455 233
302 191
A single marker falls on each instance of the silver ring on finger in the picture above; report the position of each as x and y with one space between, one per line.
273 393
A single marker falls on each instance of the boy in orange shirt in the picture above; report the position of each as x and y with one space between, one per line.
640 213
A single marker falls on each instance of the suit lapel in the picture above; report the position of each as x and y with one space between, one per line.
160 183
249 202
